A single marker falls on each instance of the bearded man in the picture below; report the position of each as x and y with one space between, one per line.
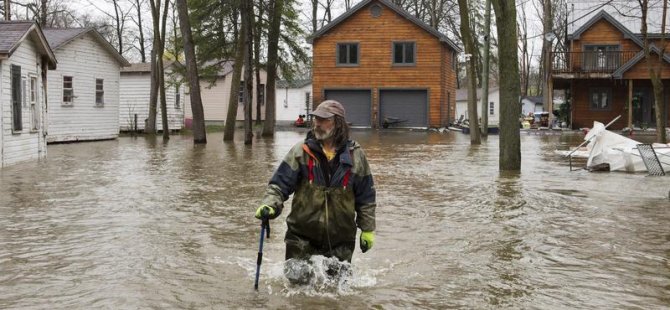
333 191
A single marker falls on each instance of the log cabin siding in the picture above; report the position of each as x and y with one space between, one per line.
375 70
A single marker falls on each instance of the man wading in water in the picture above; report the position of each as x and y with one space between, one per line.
334 194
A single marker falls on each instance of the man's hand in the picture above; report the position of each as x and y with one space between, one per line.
367 240
265 212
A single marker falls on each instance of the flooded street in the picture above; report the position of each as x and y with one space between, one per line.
132 223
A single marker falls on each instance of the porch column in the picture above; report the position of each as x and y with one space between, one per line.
630 104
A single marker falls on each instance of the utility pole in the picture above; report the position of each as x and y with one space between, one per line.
485 82
548 40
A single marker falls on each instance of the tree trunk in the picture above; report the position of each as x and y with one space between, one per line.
273 43
485 69
119 27
257 61
247 21
141 30
466 33
508 64
231 118
655 72
161 76
150 123
198 125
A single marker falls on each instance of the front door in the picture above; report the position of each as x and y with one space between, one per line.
644 112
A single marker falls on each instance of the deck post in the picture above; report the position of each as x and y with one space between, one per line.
630 104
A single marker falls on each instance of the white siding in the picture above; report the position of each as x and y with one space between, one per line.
26 144
290 102
215 99
85 61
136 88
494 96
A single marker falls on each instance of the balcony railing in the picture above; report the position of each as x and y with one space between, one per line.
590 61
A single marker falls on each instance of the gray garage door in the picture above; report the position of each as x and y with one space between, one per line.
408 106
356 105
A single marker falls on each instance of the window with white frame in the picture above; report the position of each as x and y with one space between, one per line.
99 92
240 93
34 113
177 97
491 108
17 120
261 94
68 90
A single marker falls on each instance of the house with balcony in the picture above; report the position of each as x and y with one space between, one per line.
383 64
605 74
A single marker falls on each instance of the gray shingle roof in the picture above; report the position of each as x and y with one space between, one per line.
143 67
12 32
293 84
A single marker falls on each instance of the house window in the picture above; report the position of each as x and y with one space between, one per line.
68 90
308 99
177 98
600 98
602 57
240 93
491 108
347 54
261 94
17 124
99 92
404 53
34 113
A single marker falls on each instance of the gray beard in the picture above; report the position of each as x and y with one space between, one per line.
320 135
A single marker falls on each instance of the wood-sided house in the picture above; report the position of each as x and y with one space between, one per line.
605 74
381 62
84 90
136 94
25 58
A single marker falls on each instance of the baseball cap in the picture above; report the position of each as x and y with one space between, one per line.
328 109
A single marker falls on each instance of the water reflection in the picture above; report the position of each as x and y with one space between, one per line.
138 223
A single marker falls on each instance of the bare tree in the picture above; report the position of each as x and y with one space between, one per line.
277 7
510 142
138 4
655 70
231 118
468 43
257 59
247 15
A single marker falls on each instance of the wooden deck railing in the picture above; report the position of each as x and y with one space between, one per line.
590 61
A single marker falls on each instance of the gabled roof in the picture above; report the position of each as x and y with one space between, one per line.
293 84
14 32
636 59
59 37
606 16
144 67
393 7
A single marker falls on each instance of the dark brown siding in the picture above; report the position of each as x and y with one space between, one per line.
375 37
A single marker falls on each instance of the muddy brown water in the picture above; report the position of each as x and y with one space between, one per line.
135 223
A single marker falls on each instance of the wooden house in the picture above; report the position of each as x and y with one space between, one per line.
83 92
25 58
293 98
605 74
381 62
136 93
215 95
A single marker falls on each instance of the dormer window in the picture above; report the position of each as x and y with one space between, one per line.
347 54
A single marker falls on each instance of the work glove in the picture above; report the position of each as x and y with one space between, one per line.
265 211
367 240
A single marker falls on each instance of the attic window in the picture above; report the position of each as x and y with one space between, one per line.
376 10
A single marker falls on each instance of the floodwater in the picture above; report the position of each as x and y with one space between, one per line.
134 223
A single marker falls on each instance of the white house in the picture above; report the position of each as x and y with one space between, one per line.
532 104
292 99
83 92
493 105
136 92
25 58
215 96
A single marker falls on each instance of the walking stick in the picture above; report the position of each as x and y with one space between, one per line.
265 229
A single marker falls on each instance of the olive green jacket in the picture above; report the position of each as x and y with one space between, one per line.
324 212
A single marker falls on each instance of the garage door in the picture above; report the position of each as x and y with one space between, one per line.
356 105
410 107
